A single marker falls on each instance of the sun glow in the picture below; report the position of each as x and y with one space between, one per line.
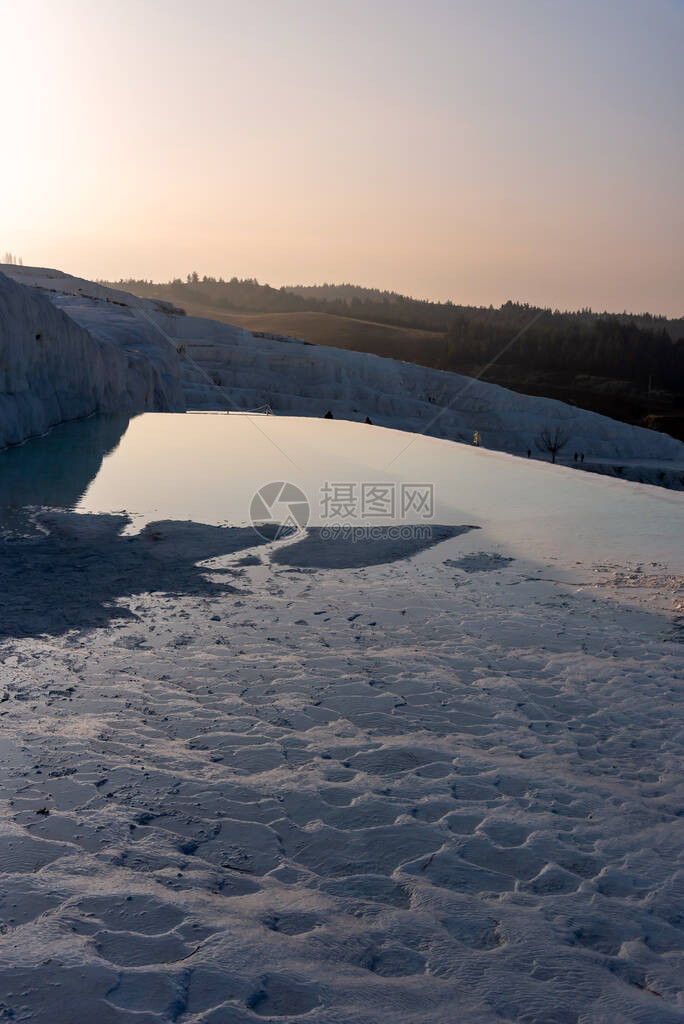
440 155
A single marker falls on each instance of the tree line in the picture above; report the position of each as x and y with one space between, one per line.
646 350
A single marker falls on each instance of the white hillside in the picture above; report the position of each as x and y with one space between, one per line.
115 318
225 367
300 379
52 370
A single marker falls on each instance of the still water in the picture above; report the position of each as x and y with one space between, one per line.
207 468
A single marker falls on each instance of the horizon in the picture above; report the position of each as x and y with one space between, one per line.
183 278
122 281
462 154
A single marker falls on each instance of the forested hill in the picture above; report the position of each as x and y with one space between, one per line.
627 366
246 295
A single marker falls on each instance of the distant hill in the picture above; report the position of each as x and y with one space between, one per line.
630 367
393 304
337 332
348 293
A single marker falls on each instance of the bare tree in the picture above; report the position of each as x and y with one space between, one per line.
552 440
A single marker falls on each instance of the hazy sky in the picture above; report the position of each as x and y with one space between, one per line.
477 150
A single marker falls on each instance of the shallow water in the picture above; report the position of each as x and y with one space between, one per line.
207 468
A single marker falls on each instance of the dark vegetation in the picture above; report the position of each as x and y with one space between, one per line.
552 440
623 365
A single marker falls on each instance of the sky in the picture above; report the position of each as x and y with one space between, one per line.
472 150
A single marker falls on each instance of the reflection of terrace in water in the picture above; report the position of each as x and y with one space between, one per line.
57 469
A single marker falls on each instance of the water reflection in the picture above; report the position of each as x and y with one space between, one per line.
207 469
57 469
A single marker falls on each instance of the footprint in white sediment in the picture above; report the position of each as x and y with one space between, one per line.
142 914
292 924
396 962
20 853
278 996
129 949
